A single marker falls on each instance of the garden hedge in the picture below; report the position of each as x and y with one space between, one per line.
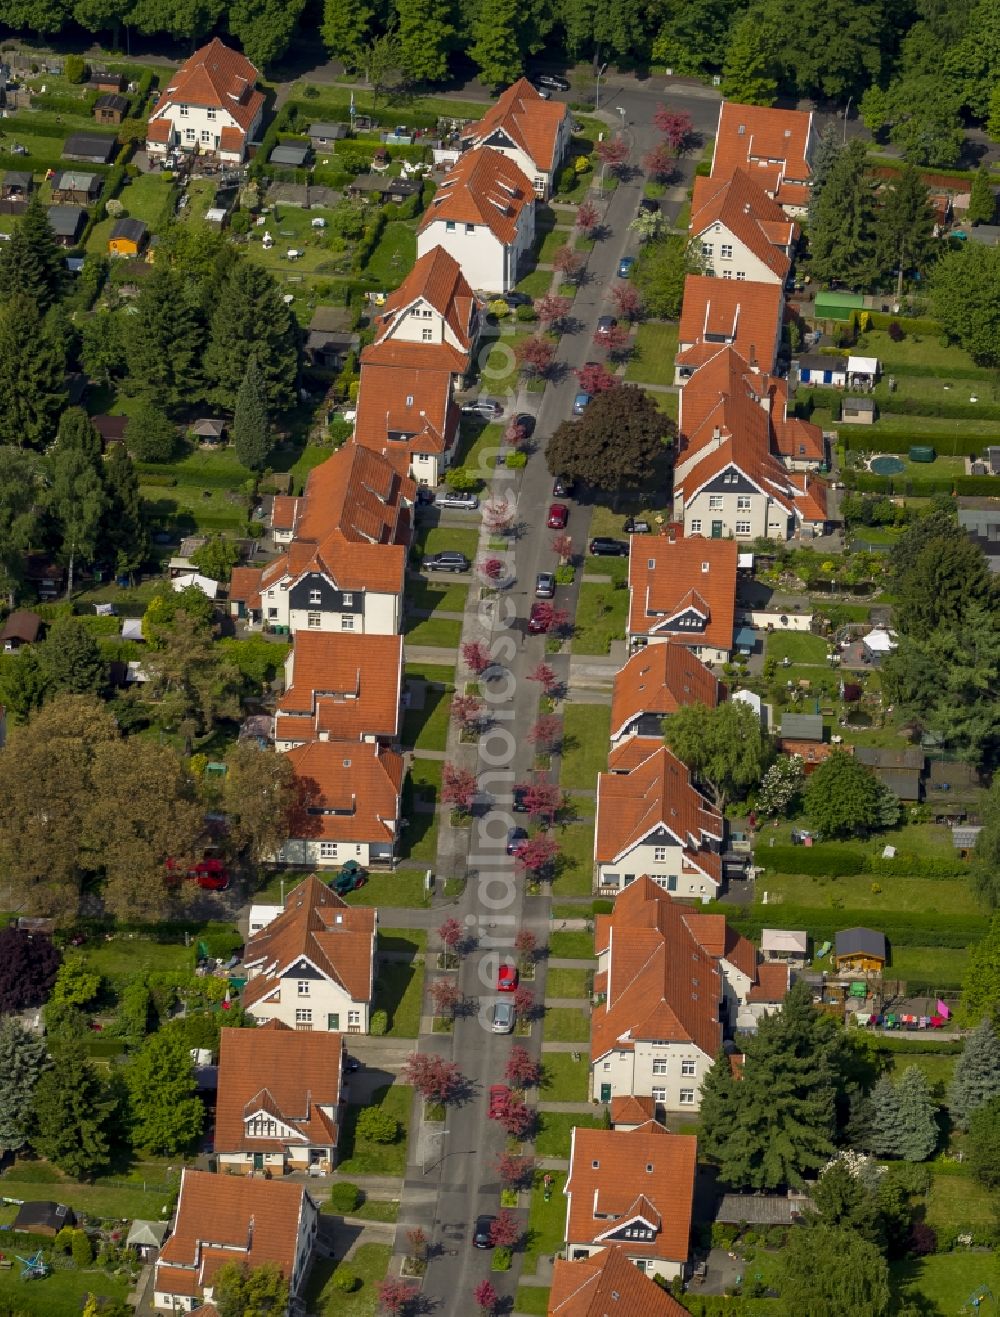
866 483
902 928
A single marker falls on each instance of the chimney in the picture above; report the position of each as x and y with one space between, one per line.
250 1234
753 357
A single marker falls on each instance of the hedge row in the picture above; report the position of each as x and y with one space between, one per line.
864 439
318 111
221 939
909 324
902 928
950 411
918 1046
975 486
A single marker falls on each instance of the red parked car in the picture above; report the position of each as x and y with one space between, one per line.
558 516
507 978
210 874
499 1100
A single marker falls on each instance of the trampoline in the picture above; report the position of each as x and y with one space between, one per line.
886 466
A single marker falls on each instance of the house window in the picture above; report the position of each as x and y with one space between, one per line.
726 251
687 1068
741 274
743 528
206 136
470 228
347 622
348 600
183 111
660 1066
303 1015
727 274
687 1097
715 502
211 112
539 185
659 1094
328 850
189 134
707 249
449 226
354 1019
303 987
315 596
314 620
743 503
611 880
272 612
696 526
426 335
659 854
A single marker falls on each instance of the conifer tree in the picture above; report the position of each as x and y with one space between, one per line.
164 340
72 1112
31 263
75 431
22 1060
250 319
123 531
977 1074
250 428
32 369
842 225
901 1118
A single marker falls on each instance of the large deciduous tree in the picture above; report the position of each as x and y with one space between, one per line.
748 69
242 1291
29 963
150 435
663 266
345 31
965 296
165 1113
72 659
264 27
725 748
426 33
843 798
981 981
617 443
495 45
260 792
828 1271
19 506
75 502
984 1143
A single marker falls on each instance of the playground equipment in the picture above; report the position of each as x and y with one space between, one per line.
33 1268
974 1303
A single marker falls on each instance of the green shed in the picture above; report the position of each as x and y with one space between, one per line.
838 306
922 453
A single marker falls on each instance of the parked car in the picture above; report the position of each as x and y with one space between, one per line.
625 267
514 300
457 498
209 873
580 403
537 624
553 82
351 1064
558 516
545 585
450 560
605 325
507 978
425 494
350 878
563 487
601 546
650 205
637 526
482 1234
499 1101
486 407
515 836
502 1016
518 803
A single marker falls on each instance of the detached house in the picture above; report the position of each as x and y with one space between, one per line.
531 131
340 687
741 232
773 146
345 566
312 966
607 1283
350 807
279 1100
483 215
671 984
683 589
651 820
211 106
718 312
655 682
633 1188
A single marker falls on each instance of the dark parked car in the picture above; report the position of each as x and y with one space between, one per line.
425 494
563 487
552 81
637 526
537 624
604 547
525 422
605 325
518 805
514 300
482 1235
514 838
650 205
448 561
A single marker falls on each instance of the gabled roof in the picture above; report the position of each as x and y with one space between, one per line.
529 121
133 229
436 279
619 1175
659 680
288 1072
215 76
655 795
744 313
317 926
23 626
405 408
670 576
772 145
859 942
608 1284
482 187
344 686
723 942
351 789
228 1218
627 1109
773 982
745 209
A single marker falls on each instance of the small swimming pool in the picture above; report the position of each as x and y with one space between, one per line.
886 466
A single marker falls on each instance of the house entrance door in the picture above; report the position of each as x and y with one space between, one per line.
605 1092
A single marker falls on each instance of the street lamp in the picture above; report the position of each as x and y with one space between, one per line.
846 111
621 110
439 1134
597 93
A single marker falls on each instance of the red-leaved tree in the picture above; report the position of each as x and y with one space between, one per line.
450 934
466 710
568 262
612 152
548 617
486 1297
542 800
545 676
498 514
458 788
677 127
658 162
394 1295
445 994
552 309
517 1119
522 1070
514 1172
505 1230
615 340
595 378
491 569
534 355
627 300
524 1003
546 732
587 217
434 1078
514 434
537 854
562 546
476 656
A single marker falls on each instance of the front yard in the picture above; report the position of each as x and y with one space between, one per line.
546 1221
652 361
563 1078
399 990
566 1024
601 617
586 729
368 1265
358 1155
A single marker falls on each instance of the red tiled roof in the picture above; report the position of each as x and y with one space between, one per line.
316 924
343 687
720 940
668 577
744 208
660 679
405 408
632 752
416 356
244 586
352 791
215 76
771 145
799 440
284 510
773 982
810 497
289 1073
616 1176
629 1110
608 1284
528 120
222 1218
482 187
437 279
744 313
655 794
159 130
232 139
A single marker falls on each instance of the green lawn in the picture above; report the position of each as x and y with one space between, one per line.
419 840
564 1080
550 244
369 1265
148 198
604 521
208 494
432 672
435 539
120 1195
601 617
926 895
338 97
572 945
536 284
546 1222
427 728
614 568
566 1024
553 1135
394 255
399 989
652 362
937 1070
434 596
62 1294
799 646
404 888
933 387
575 867
135 956
568 983
440 632
359 1156
500 370
586 728
943 967
532 1300
959 1200
478 445
925 352
946 1280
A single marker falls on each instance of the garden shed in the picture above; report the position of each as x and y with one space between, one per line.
838 306
786 946
858 411
862 372
43 1218
147 1237
94 148
295 155
922 453
816 368
323 135
859 949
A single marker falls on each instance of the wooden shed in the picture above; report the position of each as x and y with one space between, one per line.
859 950
110 108
128 237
